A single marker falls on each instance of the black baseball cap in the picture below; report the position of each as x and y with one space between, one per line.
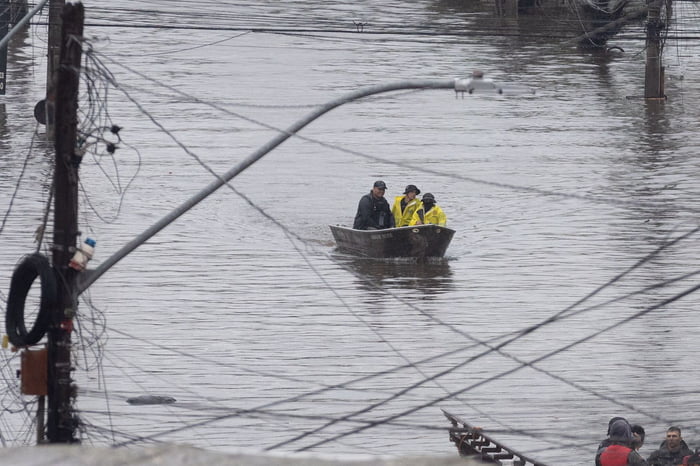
380 184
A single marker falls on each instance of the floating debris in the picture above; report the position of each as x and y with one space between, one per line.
150 400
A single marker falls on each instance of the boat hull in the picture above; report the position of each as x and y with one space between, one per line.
418 241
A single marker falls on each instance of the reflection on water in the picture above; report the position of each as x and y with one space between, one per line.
3 123
431 277
602 58
657 126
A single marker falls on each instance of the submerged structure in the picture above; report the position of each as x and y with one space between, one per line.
588 23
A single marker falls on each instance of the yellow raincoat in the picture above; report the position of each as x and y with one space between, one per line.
402 219
435 216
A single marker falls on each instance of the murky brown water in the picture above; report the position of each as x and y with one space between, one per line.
552 196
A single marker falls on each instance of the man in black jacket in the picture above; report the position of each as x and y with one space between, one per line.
373 212
672 450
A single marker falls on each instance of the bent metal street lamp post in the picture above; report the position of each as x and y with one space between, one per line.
460 85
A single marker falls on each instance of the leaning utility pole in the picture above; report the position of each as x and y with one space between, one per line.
61 423
654 76
54 55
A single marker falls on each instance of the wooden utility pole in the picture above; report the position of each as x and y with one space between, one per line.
54 55
654 76
61 423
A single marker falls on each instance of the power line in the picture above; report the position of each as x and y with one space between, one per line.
614 201
508 372
27 157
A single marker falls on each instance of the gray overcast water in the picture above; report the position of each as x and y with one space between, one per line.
552 195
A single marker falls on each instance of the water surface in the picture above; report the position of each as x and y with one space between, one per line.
264 333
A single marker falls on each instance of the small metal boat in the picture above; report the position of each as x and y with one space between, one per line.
419 241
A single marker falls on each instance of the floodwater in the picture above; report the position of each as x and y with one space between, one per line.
565 203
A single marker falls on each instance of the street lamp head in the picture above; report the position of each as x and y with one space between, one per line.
476 82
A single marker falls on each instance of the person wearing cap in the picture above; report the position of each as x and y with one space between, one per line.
429 212
373 212
405 206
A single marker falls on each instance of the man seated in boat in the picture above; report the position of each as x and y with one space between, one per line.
405 206
429 212
373 211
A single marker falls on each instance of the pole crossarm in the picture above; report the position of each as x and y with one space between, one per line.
460 85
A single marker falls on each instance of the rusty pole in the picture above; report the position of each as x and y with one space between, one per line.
61 423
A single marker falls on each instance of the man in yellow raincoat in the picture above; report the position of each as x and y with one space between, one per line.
429 212
405 206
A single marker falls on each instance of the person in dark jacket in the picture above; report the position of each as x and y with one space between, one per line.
672 450
619 452
606 442
638 435
373 212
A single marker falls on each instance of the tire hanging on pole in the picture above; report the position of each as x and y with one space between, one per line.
23 277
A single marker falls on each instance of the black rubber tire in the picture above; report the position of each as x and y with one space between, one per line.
23 277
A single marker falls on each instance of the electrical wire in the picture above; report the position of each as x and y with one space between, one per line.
504 373
23 170
613 201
